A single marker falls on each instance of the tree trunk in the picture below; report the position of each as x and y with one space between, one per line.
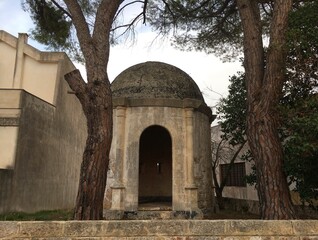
264 86
219 198
95 97
96 101
273 190
89 203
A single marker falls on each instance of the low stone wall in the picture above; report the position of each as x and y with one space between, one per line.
163 229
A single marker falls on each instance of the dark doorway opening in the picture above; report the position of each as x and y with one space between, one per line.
155 167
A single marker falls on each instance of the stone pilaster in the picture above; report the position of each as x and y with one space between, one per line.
191 189
118 187
19 59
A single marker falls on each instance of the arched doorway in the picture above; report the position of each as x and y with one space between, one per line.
155 167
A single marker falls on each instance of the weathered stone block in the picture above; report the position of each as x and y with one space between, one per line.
49 238
199 238
208 228
259 228
41 229
83 228
285 238
309 227
125 228
113 214
8 229
166 228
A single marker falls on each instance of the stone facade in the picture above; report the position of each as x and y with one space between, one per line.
158 99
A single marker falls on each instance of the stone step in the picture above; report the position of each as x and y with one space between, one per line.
148 215
151 215
152 211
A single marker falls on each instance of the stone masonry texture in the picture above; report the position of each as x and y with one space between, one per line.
159 229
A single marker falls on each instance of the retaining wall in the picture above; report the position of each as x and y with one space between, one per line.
163 229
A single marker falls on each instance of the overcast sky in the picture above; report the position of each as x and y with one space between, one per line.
206 70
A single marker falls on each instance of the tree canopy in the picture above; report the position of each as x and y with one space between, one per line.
302 58
54 26
232 111
212 26
301 147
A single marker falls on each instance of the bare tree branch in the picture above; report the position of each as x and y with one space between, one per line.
144 11
126 5
128 26
77 84
62 9
79 22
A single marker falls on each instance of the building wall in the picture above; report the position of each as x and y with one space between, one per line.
129 123
48 158
7 59
137 120
9 115
202 163
248 192
45 132
8 143
24 67
40 78
6 176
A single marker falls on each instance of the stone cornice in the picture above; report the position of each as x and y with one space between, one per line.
197 105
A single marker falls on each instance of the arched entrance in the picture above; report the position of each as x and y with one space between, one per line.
155 167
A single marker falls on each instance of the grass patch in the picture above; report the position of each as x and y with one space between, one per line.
55 215
65 215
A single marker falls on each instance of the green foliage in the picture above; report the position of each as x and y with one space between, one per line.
212 26
302 61
299 131
299 106
302 30
301 146
232 111
61 215
52 27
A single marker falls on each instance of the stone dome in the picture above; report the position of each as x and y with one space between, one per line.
155 80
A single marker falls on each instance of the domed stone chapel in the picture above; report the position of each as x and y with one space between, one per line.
160 157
